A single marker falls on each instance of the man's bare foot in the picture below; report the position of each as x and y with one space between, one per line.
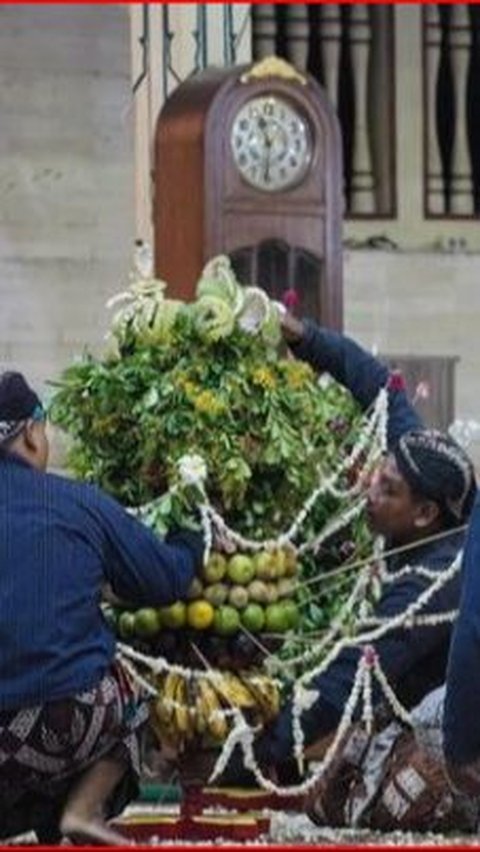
90 832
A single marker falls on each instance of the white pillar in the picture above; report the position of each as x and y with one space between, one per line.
264 30
459 39
362 199
330 35
435 179
297 32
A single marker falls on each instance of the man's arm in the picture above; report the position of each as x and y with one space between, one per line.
461 723
351 366
139 566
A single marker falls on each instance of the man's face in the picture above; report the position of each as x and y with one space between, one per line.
392 509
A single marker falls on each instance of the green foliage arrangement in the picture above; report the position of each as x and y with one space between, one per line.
210 378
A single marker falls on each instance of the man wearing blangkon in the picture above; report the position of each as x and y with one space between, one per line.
421 496
69 715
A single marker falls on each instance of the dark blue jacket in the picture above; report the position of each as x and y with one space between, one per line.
60 541
462 702
413 660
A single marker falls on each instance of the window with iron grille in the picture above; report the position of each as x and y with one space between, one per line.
349 50
451 72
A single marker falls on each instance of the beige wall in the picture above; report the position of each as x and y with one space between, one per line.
66 179
420 303
418 299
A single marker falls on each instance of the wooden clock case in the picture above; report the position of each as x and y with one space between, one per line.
288 239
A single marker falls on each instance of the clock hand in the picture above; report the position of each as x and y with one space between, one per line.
268 149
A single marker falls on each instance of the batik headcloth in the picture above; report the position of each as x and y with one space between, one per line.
435 466
18 402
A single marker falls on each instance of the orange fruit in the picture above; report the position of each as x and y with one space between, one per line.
200 614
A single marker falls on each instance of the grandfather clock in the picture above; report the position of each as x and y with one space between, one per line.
248 163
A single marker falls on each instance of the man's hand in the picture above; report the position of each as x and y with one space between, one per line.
292 328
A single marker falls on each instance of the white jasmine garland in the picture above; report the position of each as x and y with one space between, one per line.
358 592
394 623
192 470
304 699
243 734
430 620
333 526
369 659
159 665
136 676
398 708
207 531
428 573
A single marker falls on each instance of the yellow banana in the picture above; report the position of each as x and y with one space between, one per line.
216 723
163 716
265 692
234 691
181 714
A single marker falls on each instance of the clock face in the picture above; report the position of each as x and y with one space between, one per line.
271 143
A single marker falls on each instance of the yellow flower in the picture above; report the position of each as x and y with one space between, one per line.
297 374
207 403
190 389
264 377
181 378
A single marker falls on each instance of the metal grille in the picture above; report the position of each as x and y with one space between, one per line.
209 19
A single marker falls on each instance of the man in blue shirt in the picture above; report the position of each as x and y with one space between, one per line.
69 717
424 487
461 721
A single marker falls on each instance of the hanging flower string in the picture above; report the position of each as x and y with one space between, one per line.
242 734
432 620
394 623
192 479
369 576
246 741
367 668
193 473
334 526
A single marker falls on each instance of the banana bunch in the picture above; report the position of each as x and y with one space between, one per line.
200 706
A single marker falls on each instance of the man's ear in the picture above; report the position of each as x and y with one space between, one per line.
427 513
30 435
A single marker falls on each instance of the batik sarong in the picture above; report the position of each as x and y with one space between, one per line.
44 749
